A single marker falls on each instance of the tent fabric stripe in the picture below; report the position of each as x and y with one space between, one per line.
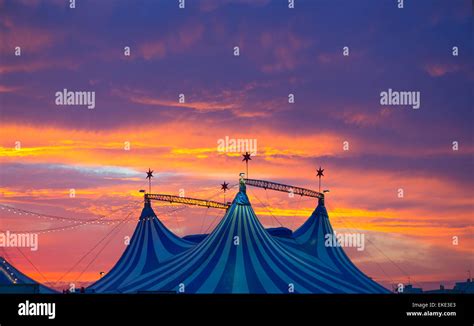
310 236
10 276
151 244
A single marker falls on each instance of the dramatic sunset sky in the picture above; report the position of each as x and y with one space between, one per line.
282 51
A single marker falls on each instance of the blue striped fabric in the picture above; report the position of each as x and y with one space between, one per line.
151 245
239 256
10 277
310 237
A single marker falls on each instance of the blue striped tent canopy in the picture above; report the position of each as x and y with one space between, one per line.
151 245
239 256
310 237
280 232
11 280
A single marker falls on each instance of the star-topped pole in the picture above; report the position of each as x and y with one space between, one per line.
224 187
149 175
319 173
247 158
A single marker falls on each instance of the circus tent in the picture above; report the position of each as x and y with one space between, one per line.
14 281
310 238
151 245
240 256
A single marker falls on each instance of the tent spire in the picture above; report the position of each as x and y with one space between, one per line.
149 175
224 187
247 158
319 173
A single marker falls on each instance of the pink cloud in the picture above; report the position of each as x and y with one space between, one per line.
188 36
235 101
198 106
441 69
66 63
281 50
29 39
8 89
360 118
153 50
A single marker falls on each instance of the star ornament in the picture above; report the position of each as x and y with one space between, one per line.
320 172
225 186
149 174
246 157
